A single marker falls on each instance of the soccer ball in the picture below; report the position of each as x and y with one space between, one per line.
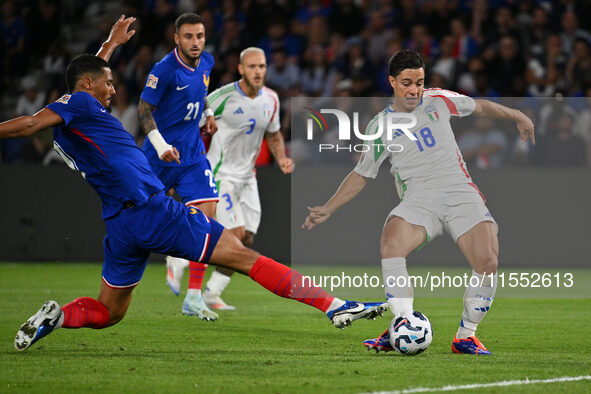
410 335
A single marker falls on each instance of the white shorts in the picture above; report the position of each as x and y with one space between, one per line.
239 204
452 211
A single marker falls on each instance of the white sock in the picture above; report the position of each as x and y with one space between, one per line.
400 298
178 261
217 283
194 292
478 299
335 304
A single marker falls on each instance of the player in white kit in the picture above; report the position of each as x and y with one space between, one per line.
436 191
246 112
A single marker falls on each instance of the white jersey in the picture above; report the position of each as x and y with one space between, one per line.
242 123
433 161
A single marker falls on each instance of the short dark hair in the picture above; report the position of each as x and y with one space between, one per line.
188 18
403 59
83 64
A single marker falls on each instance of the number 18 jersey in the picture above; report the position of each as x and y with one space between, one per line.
433 161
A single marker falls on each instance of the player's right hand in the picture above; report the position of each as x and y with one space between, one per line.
119 34
316 216
171 155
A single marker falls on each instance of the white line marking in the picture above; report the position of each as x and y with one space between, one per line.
503 383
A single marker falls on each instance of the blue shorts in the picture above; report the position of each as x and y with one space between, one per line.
163 225
193 183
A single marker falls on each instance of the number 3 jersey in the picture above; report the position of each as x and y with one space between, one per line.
433 161
178 92
242 123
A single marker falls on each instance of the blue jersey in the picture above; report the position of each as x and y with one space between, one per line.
93 142
178 92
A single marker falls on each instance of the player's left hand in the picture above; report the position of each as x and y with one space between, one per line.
286 165
525 127
210 125
119 34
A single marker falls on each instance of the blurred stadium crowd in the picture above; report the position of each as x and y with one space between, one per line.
499 48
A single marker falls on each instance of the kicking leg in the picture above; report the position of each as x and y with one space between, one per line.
399 239
481 248
220 278
108 309
285 282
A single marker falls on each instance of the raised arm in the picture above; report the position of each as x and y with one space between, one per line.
277 147
25 126
348 190
118 36
524 124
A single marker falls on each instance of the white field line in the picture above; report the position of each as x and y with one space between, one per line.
503 383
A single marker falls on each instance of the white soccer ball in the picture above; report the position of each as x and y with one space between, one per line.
410 335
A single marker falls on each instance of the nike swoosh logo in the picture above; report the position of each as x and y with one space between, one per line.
181 88
103 110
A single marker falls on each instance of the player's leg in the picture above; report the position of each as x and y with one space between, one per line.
480 246
109 308
399 239
229 252
230 214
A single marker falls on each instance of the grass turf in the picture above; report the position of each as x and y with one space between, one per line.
273 345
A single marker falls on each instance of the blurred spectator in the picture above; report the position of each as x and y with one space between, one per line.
561 147
483 146
377 36
317 76
44 22
346 18
137 70
355 64
535 35
167 44
465 47
544 71
578 71
506 69
504 25
447 66
422 42
29 102
230 38
281 74
317 31
126 112
54 64
570 32
277 38
14 35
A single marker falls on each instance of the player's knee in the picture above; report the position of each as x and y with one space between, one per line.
488 263
248 239
116 315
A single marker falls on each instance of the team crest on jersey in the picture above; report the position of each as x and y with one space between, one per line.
64 99
431 112
206 80
266 110
152 81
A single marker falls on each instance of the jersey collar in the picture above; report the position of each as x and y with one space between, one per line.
185 65
239 89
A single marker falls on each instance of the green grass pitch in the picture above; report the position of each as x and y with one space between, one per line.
273 345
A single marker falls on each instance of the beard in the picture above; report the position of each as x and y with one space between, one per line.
188 55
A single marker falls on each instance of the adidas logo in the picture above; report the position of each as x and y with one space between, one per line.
238 111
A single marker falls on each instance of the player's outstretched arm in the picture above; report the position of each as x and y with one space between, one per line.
349 189
119 35
493 110
25 126
165 151
277 147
